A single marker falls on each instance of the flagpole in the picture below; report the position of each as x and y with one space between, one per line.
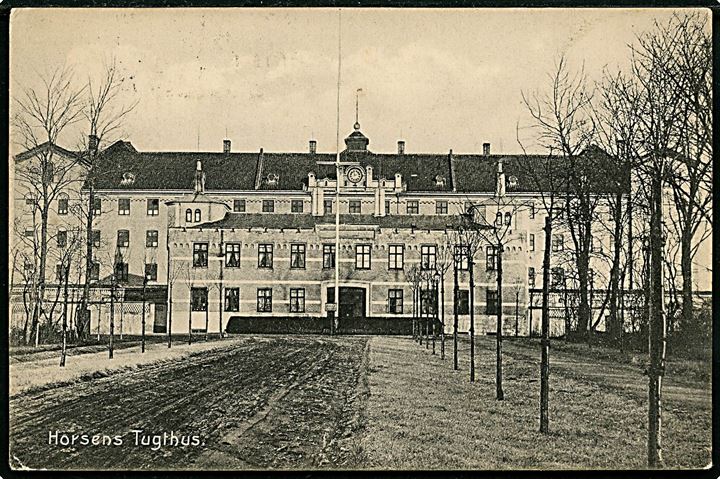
337 185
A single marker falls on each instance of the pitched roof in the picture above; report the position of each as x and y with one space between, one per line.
289 171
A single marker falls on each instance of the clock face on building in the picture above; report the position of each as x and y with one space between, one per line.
355 175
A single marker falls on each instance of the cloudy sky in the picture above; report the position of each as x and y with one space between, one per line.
267 78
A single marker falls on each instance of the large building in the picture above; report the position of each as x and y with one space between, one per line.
204 239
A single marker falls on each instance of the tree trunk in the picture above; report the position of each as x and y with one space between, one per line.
64 323
657 329
142 333
85 315
112 319
613 326
499 394
545 328
170 302
442 317
190 318
689 328
472 318
456 293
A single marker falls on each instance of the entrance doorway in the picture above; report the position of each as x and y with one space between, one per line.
352 301
160 323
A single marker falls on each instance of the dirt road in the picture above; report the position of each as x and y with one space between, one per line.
269 402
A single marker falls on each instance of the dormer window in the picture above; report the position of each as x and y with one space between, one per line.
512 182
272 179
440 181
127 179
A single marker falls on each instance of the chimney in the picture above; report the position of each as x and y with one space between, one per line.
226 146
401 147
500 180
199 178
313 147
486 149
93 143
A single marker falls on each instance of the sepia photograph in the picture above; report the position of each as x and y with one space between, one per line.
360 239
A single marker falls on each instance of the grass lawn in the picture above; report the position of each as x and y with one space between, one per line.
420 414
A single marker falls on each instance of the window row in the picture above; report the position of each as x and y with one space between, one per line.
153 206
298 251
231 303
123 238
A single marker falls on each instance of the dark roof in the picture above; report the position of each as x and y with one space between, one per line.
307 221
44 147
289 171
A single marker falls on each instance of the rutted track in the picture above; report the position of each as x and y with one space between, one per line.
272 402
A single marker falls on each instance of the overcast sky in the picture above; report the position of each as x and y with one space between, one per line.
439 79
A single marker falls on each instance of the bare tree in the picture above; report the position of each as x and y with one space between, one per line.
564 125
442 264
104 114
42 115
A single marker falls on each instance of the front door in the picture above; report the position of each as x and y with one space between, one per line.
160 323
352 301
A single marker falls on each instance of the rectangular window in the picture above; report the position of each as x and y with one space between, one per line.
508 219
97 206
199 299
268 206
29 200
297 256
265 256
531 239
29 232
264 300
61 239
596 245
121 271
462 257
124 206
558 243
428 255
232 255
296 206
532 211
123 238
413 207
153 207
200 255
232 300
151 239
396 256
490 256
491 301
96 238
441 207
395 301
239 206
387 207
498 219
95 272
531 277
297 300
62 206
362 256
428 301
355 207
151 271
558 278
327 207
463 303
60 272
328 256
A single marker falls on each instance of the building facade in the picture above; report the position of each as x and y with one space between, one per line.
201 238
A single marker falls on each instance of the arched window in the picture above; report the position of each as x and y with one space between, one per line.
508 219
188 215
198 216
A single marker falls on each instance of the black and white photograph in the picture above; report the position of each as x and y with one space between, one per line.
332 239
